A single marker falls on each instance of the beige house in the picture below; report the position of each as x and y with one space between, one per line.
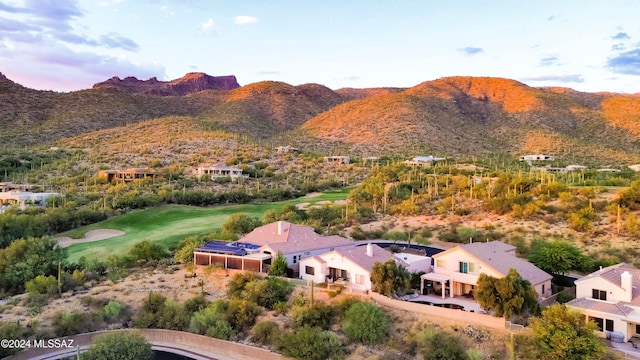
456 270
537 157
337 159
610 297
126 175
295 242
286 149
216 171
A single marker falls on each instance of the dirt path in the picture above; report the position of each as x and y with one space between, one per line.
93 235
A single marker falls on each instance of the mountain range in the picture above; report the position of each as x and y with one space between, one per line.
452 116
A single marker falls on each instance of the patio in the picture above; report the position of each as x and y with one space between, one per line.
467 303
625 349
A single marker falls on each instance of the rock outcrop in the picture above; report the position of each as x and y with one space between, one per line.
188 84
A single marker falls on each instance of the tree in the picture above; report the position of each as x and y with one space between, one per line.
563 333
506 296
121 345
366 323
279 266
240 224
389 278
559 257
25 259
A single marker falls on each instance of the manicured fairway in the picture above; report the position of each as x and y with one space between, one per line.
167 225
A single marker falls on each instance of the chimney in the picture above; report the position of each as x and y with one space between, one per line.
369 250
626 279
280 227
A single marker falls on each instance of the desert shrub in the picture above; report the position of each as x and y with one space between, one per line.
265 333
123 345
43 285
311 344
440 346
147 250
114 310
366 323
241 314
316 315
71 323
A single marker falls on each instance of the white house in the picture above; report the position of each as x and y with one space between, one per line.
350 266
457 270
610 297
22 199
537 157
423 160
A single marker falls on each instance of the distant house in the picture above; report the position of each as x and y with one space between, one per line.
423 160
217 171
286 149
9 186
23 199
126 175
612 170
635 167
337 159
610 297
457 270
537 157
295 242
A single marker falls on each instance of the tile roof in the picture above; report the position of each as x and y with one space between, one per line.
612 274
601 306
499 256
288 238
359 256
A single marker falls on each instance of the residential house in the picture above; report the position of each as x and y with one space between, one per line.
457 270
425 161
295 242
349 266
337 159
635 167
23 199
126 175
610 297
286 149
9 186
537 157
217 171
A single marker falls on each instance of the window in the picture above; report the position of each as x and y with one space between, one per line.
598 322
473 268
542 289
599 294
295 259
359 279
609 326
464 267
309 270
637 328
441 263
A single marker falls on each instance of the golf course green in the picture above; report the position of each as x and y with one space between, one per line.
168 224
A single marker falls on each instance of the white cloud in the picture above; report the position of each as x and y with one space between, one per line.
243 19
207 25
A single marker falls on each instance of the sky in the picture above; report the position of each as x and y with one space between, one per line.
68 45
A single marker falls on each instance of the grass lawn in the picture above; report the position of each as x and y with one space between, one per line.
168 224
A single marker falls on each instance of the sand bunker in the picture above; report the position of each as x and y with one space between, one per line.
93 235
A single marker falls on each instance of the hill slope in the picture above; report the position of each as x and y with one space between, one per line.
465 116
457 116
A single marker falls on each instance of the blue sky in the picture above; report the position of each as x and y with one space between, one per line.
67 45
